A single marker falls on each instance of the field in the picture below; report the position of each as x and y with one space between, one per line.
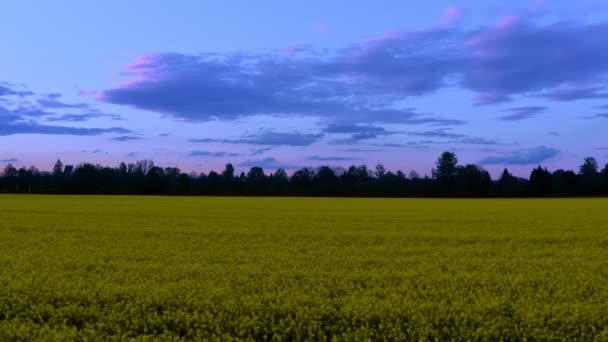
173 268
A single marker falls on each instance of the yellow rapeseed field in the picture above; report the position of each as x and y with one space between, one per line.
111 268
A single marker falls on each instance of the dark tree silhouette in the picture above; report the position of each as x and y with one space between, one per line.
445 171
541 182
449 179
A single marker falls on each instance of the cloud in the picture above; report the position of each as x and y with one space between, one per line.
22 116
86 91
52 101
211 154
475 141
451 15
270 138
9 160
259 151
58 130
365 150
358 132
133 155
322 28
16 122
366 82
573 94
7 89
439 133
330 158
268 163
522 157
490 98
518 56
82 117
597 116
521 113
454 138
96 151
126 138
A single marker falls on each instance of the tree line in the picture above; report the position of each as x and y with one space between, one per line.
448 179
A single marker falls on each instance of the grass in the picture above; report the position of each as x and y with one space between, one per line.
173 268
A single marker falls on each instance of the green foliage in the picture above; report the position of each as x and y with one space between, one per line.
94 268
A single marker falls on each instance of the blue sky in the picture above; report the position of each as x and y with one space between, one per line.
197 84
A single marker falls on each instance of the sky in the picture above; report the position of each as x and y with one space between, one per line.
197 84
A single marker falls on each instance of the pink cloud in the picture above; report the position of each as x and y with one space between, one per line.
291 50
490 98
538 5
141 62
86 91
507 22
451 15
322 28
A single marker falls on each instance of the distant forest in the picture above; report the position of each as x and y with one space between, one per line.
449 179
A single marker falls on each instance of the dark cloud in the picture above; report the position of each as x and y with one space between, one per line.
82 117
16 122
521 113
454 138
438 133
23 116
9 160
517 55
211 154
164 135
96 151
572 94
475 141
259 151
52 101
60 130
133 155
365 150
126 138
7 89
270 138
555 134
269 163
598 116
328 158
358 132
522 157
490 99
366 82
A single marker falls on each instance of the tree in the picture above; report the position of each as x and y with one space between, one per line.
280 179
604 177
445 167
564 182
256 176
10 171
445 172
228 172
380 171
541 182
326 179
589 176
58 169
589 169
473 180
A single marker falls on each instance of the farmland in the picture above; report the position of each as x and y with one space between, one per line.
227 268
